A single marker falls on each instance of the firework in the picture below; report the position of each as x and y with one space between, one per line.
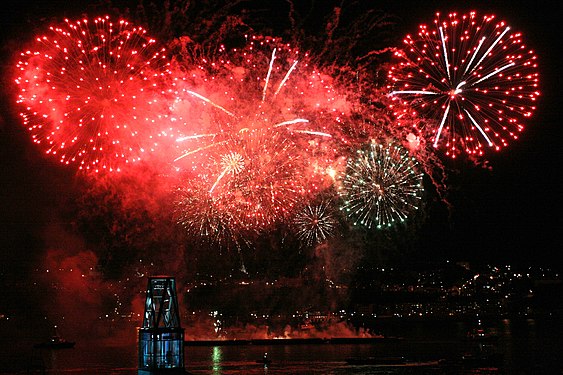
472 78
258 131
92 93
382 186
266 85
315 223
197 214
232 163
267 188
249 181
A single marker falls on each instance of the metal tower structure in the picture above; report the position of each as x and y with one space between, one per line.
161 338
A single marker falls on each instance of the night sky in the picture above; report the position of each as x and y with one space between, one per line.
507 213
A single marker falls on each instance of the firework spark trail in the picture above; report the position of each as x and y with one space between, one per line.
445 52
188 137
382 186
478 88
290 122
284 80
268 75
93 93
303 121
210 102
199 149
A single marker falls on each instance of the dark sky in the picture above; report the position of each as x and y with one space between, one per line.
511 213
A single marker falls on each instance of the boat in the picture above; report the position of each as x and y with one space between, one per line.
482 334
55 342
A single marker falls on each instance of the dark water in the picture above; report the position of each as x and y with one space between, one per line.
524 346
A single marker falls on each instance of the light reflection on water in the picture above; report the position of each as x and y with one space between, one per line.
216 359
527 347
327 359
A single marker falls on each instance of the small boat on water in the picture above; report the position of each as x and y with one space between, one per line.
482 334
55 342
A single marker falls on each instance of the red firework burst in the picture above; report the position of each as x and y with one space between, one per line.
472 78
260 127
92 92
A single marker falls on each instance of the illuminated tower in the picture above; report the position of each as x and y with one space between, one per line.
161 338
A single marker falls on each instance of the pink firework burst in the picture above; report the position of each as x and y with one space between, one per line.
472 77
92 92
